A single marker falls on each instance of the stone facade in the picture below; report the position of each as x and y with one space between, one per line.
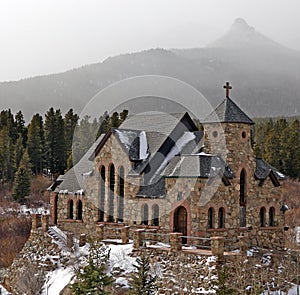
201 207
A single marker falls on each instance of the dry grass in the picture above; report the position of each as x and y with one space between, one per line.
14 232
15 229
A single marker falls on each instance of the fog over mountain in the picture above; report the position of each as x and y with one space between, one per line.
264 74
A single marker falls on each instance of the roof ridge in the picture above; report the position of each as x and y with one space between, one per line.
228 112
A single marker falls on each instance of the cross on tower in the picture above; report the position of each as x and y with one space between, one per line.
227 87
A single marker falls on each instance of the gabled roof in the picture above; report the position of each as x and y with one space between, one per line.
154 190
228 112
157 127
134 142
72 180
153 121
198 165
263 170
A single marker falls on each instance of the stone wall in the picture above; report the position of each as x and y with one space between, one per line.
197 196
27 273
182 273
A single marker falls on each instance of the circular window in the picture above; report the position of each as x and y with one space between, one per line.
244 134
215 133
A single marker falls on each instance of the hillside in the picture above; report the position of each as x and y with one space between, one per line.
265 76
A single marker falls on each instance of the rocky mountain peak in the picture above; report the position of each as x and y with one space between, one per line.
241 26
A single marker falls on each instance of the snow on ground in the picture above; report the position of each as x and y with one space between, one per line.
292 291
24 210
3 291
57 280
119 258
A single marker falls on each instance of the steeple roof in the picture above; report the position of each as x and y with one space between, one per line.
228 112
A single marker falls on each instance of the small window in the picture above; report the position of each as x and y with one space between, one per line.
221 218
215 133
211 217
145 214
272 216
179 196
155 215
243 188
70 209
79 210
262 217
244 134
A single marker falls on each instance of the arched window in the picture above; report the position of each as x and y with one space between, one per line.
79 210
102 194
70 209
111 193
145 214
243 198
155 215
272 216
262 217
221 218
121 195
55 203
211 218
243 188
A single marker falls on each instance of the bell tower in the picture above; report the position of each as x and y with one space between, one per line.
227 132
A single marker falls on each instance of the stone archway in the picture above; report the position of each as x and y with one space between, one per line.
180 222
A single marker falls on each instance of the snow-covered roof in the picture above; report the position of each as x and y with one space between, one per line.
198 165
72 181
263 170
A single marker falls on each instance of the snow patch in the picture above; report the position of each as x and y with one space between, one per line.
143 146
176 149
57 280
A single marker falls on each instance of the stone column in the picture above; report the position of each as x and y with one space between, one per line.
45 222
176 241
243 244
100 231
137 239
70 239
116 196
153 236
125 234
34 221
107 194
217 246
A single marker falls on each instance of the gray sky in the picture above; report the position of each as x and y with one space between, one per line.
47 36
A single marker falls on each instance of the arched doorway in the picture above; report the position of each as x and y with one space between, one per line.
180 222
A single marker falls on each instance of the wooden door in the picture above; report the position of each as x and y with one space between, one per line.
180 222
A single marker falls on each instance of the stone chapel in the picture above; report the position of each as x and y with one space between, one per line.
160 171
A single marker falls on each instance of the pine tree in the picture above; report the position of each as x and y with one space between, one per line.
21 187
55 141
70 123
93 278
84 137
20 127
114 120
291 146
142 281
60 145
19 151
7 156
35 143
123 115
104 124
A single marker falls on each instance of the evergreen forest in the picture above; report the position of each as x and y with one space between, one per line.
46 144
